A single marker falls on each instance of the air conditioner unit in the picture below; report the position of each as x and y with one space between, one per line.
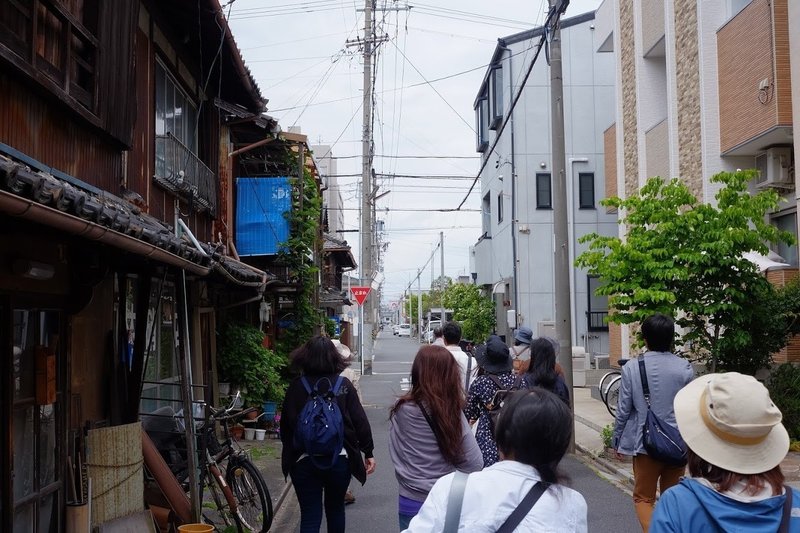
774 169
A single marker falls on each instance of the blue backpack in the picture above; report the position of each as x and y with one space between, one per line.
320 428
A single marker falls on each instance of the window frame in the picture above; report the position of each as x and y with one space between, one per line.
482 126
496 96
594 325
586 203
486 214
500 207
540 204
170 78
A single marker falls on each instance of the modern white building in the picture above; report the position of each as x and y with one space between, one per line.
704 87
516 182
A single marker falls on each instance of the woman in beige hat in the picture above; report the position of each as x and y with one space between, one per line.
736 444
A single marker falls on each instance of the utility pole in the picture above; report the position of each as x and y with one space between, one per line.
441 249
560 226
366 188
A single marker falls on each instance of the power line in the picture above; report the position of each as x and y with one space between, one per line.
407 176
427 82
434 88
517 96
386 156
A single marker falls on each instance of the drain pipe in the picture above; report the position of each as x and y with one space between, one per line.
571 237
514 259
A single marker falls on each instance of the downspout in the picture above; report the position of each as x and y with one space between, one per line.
571 238
515 288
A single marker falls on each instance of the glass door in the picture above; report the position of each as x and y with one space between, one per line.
36 420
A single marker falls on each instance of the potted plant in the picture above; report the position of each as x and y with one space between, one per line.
247 364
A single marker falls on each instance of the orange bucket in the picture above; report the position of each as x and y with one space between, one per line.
196 528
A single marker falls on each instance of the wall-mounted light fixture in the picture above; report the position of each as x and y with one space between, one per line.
33 269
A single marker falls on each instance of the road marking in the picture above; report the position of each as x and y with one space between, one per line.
390 373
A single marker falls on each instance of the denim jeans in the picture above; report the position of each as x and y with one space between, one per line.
404 520
309 484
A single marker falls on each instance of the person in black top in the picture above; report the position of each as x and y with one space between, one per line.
542 370
318 359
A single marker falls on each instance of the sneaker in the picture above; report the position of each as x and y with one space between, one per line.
349 498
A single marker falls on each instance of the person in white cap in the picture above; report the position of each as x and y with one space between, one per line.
736 443
350 374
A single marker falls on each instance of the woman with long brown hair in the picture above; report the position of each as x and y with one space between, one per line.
429 435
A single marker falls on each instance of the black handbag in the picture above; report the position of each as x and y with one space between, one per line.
661 441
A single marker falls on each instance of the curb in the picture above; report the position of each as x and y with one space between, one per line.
624 474
279 502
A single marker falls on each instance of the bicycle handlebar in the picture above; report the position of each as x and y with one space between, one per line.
227 415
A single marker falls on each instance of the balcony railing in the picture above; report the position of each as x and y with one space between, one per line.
597 320
181 172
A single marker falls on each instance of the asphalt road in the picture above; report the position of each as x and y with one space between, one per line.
375 510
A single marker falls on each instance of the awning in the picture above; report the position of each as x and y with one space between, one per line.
764 263
42 198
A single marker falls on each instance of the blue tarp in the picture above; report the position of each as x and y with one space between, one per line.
261 226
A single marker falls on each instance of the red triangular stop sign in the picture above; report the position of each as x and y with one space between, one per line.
360 294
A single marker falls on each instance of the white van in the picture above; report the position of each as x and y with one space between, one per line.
404 330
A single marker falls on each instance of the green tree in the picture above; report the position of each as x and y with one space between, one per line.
685 258
297 253
473 310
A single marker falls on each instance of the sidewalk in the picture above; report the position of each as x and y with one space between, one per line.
591 416
266 456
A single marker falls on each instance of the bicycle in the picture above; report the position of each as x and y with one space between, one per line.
232 491
609 388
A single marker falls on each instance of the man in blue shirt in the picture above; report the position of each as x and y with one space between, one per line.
666 375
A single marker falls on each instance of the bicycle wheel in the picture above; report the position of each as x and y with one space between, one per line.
612 395
604 381
251 494
214 507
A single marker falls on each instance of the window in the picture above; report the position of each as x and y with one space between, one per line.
787 223
543 194
586 190
58 39
499 207
162 374
176 114
597 308
36 433
496 97
481 123
486 215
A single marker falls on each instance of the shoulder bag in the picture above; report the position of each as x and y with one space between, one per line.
455 500
661 441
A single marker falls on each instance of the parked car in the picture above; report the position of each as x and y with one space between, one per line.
427 335
404 330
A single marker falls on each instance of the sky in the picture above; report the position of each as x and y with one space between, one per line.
297 51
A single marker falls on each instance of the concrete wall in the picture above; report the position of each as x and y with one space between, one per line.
589 111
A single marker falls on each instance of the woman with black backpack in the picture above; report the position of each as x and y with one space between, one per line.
324 431
486 391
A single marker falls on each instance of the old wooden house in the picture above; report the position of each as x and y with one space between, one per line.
117 158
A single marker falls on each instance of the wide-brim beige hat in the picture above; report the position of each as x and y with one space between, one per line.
343 350
730 421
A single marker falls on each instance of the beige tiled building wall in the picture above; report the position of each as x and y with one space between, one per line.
791 353
744 64
630 148
610 162
687 74
656 143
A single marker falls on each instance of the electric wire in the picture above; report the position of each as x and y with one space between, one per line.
435 90
550 18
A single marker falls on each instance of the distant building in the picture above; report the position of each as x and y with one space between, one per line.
704 87
516 182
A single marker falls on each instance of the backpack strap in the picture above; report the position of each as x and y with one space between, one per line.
455 499
497 382
306 385
335 389
469 371
787 510
517 382
643 376
434 426
524 507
